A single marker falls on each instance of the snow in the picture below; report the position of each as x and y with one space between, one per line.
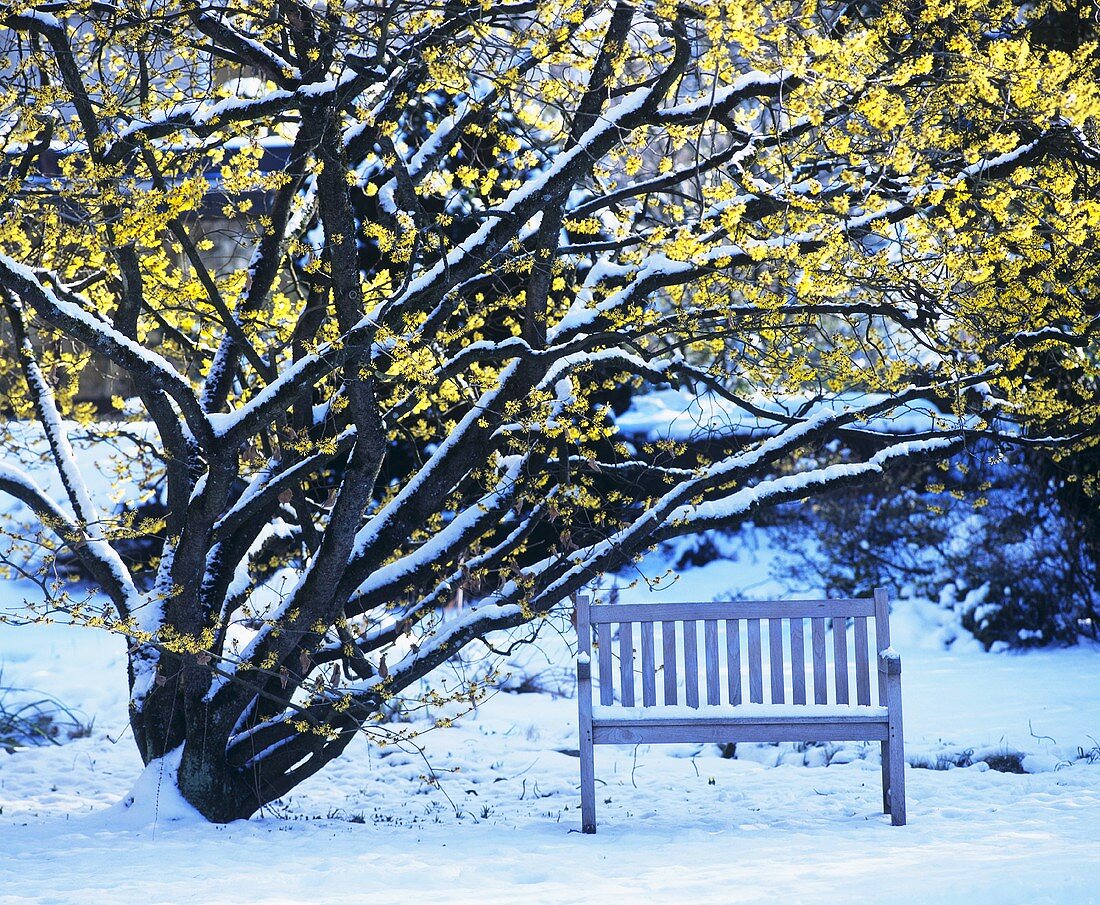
16 477
319 89
580 315
433 548
154 798
677 414
741 87
481 92
743 500
225 423
451 630
45 20
489 811
195 114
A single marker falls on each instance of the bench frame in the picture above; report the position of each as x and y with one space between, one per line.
818 723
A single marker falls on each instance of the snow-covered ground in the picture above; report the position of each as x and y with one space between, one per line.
488 810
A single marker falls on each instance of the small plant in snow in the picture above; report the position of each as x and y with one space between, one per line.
27 718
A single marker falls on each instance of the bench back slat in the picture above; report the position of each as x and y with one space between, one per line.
756 665
840 659
636 652
691 664
863 672
821 683
798 662
733 660
584 640
882 638
821 695
626 662
710 646
775 652
649 667
668 644
607 684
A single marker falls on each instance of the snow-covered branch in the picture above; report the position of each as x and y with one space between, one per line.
139 361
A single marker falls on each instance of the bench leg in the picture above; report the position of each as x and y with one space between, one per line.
588 783
885 777
897 780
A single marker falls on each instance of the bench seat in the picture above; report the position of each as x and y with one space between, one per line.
739 712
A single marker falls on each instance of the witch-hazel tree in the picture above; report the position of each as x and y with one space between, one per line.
377 275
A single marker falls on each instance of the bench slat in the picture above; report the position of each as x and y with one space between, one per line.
668 643
607 692
798 662
775 645
840 659
822 730
626 663
882 638
730 609
691 663
818 629
649 667
743 713
863 673
710 645
756 665
733 661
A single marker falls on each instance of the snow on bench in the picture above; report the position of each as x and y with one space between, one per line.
732 645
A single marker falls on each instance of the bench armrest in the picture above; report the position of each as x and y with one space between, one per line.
584 667
889 662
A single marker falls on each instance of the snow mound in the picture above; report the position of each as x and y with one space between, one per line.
155 798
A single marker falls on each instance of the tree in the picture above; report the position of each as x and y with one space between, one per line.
465 228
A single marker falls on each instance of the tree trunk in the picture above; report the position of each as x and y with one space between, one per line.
222 777
205 779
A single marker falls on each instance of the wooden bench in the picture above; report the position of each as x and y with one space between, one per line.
731 632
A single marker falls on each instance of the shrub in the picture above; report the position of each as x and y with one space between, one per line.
993 536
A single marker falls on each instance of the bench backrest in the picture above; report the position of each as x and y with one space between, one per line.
665 638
